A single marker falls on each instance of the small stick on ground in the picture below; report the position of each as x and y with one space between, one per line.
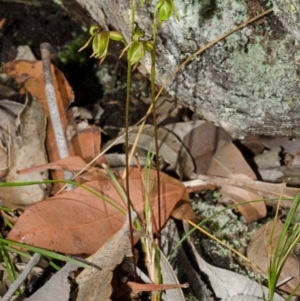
53 108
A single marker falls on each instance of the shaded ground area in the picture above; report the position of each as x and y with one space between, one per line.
34 24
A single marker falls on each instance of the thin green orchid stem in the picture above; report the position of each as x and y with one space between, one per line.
133 9
127 157
153 61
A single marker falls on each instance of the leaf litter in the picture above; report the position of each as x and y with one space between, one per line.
196 146
68 222
25 135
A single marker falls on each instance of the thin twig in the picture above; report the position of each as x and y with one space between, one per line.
53 108
22 277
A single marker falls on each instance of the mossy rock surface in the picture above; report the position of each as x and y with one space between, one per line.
247 83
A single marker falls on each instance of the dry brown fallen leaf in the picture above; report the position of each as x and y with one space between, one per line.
201 139
229 162
26 149
174 198
86 144
257 252
95 283
137 288
9 110
72 164
68 222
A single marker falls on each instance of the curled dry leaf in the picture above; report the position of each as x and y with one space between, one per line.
229 162
26 149
9 110
68 222
4 160
257 252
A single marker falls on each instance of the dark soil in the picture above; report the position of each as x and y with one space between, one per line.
35 23
32 25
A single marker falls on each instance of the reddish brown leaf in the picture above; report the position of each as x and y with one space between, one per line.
174 198
137 288
69 222
202 143
73 164
86 144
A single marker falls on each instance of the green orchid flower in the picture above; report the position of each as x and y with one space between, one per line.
164 10
101 41
137 49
